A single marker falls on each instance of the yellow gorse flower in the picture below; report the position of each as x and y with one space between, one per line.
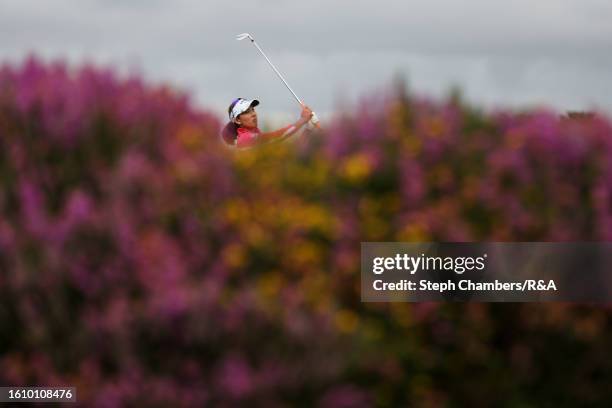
356 168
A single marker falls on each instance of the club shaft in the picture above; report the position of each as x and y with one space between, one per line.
277 73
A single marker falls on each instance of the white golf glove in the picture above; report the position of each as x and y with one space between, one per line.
312 123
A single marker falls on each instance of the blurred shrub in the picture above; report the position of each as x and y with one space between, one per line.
146 264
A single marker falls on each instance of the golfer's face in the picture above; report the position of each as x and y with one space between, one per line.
248 118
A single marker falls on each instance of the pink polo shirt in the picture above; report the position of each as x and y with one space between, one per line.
247 137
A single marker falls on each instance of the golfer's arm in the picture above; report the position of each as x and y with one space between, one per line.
283 132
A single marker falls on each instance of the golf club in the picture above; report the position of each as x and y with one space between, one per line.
314 120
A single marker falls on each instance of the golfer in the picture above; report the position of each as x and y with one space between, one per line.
242 131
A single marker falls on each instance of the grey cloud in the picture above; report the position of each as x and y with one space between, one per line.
498 52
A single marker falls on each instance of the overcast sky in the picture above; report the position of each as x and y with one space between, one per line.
500 53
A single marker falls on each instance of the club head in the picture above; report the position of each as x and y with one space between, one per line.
242 36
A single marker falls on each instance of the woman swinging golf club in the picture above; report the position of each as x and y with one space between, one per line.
242 131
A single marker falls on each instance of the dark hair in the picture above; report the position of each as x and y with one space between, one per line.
230 131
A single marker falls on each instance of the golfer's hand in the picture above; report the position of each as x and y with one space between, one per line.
306 113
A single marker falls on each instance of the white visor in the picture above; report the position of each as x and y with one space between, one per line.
242 106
